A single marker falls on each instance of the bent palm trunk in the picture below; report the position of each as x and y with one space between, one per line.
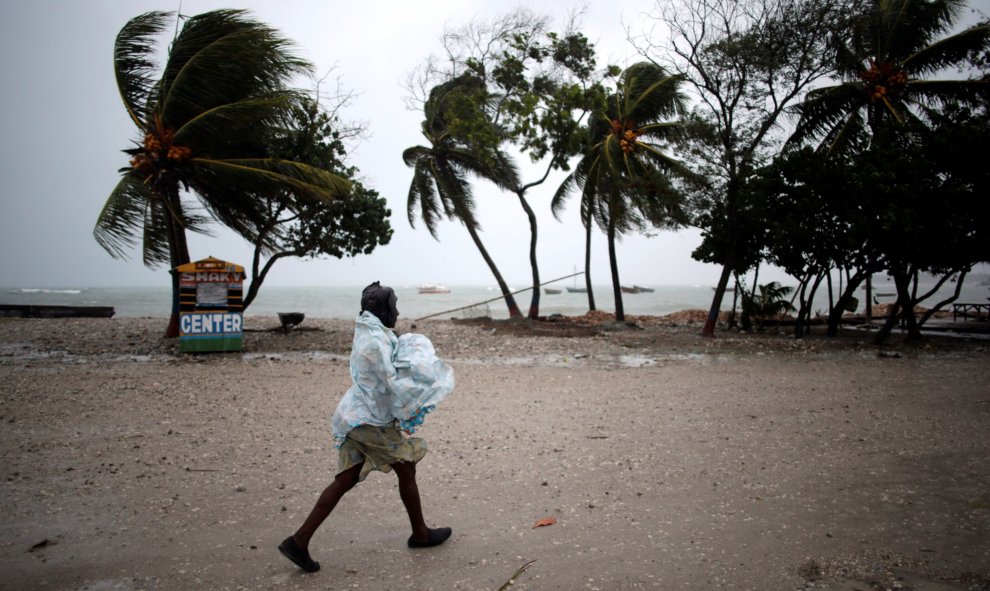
502 285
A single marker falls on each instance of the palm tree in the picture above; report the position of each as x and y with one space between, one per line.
440 184
887 61
624 178
204 124
771 302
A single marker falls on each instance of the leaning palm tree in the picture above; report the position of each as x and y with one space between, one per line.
625 177
892 62
204 123
440 185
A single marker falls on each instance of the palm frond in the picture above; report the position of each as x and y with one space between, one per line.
454 192
122 216
414 154
264 176
825 108
213 131
221 57
134 64
967 92
650 94
947 52
850 132
154 246
907 26
562 193
422 192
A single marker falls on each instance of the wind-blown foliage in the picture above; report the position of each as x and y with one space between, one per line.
624 178
540 86
203 123
440 186
356 222
746 62
894 59
891 58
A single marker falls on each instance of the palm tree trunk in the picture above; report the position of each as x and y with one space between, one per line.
620 314
534 303
178 253
587 266
502 285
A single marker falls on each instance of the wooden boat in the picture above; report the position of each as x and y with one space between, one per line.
644 289
433 288
551 291
632 289
575 288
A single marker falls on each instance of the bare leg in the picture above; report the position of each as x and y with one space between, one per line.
409 493
422 536
344 482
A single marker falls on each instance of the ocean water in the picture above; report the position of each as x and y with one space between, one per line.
344 302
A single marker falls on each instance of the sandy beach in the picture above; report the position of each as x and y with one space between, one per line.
668 461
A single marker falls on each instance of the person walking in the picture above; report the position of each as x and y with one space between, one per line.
396 382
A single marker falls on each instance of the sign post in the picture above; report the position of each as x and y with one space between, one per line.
210 306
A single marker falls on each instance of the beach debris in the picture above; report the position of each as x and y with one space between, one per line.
546 521
42 544
810 571
512 579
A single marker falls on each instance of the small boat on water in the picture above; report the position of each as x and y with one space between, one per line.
433 288
575 288
644 289
632 289
551 290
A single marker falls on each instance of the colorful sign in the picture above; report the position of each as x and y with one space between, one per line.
210 305
211 323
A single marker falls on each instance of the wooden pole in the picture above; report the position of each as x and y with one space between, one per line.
500 297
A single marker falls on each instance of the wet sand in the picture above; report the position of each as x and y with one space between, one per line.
669 461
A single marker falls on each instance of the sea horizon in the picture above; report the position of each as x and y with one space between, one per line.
484 300
344 301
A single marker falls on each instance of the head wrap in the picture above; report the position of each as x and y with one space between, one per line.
380 301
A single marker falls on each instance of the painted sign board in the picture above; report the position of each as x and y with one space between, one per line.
210 306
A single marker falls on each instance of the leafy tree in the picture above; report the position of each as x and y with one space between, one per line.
204 123
354 223
746 61
440 184
912 205
624 178
892 60
934 205
541 84
819 219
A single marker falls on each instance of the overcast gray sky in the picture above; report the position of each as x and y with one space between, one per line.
63 128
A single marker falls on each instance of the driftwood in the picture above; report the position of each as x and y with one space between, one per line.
32 311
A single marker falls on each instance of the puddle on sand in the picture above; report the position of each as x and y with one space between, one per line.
626 361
